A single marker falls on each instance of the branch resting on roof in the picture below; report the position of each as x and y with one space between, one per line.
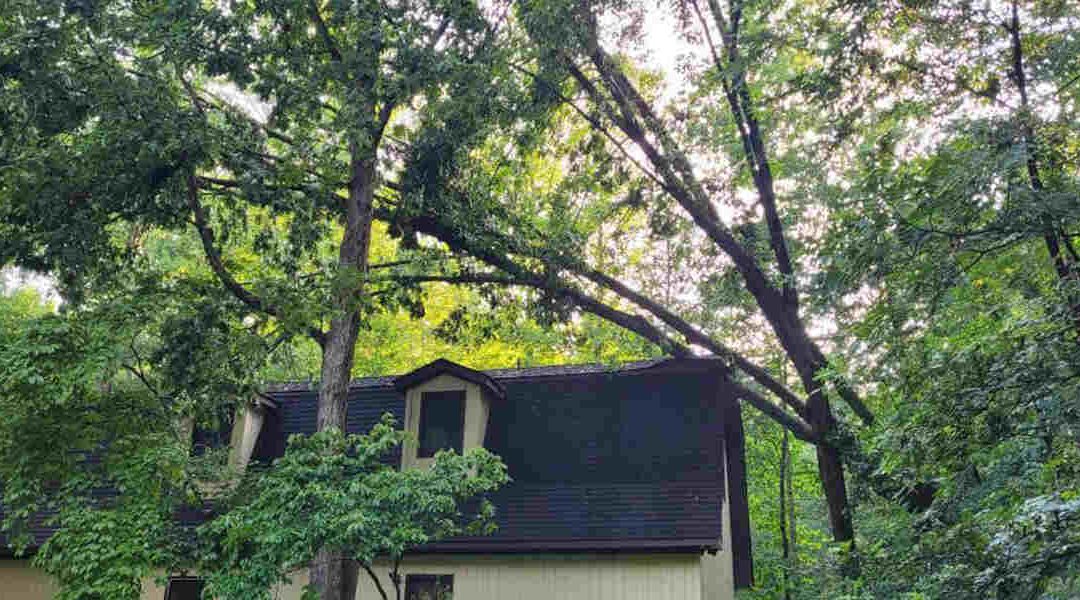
628 321
641 326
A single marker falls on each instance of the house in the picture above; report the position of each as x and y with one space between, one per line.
628 481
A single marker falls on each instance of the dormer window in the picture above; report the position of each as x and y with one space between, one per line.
442 422
446 408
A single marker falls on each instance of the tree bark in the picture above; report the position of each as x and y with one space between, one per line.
1066 272
785 547
793 533
332 574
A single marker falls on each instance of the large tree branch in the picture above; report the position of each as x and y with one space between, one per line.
737 93
778 307
676 172
692 334
797 427
594 122
517 275
696 336
206 235
629 322
474 245
470 245
375 579
702 213
217 265
584 301
324 31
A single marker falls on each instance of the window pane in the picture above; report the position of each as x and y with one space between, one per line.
184 588
213 434
429 587
442 421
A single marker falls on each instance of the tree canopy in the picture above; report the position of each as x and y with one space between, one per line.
868 210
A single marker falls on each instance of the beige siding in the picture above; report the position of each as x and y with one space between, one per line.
20 581
717 571
524 577
290 591
245 433
717 576
561 577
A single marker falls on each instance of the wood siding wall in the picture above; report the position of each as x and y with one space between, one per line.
524 577
20 581
561 577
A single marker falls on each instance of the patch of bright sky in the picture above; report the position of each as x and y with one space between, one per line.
13 278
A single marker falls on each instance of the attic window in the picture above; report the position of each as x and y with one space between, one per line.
442 422
214 434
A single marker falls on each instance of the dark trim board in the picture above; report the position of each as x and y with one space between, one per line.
738 505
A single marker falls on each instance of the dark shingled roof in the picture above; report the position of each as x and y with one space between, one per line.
603 457
387 381
37 528
41 526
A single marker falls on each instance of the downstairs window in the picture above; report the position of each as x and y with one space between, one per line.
429 587
184 588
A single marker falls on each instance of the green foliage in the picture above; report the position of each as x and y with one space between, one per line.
108 548
341 492
115 383
329 490
902 153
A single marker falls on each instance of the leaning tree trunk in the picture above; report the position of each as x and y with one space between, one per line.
811 365
830 462
332 574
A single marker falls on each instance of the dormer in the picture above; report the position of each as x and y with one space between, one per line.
446 407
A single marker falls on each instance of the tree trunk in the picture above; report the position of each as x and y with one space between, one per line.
785 465
810 364
831 470
831 473
1065 271
792 523
332 574
628 109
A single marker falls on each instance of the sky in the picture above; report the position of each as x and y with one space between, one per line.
12 278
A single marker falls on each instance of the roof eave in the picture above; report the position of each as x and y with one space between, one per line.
526 546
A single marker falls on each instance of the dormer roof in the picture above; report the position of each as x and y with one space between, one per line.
447 367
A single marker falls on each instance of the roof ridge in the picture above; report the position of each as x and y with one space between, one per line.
500 373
